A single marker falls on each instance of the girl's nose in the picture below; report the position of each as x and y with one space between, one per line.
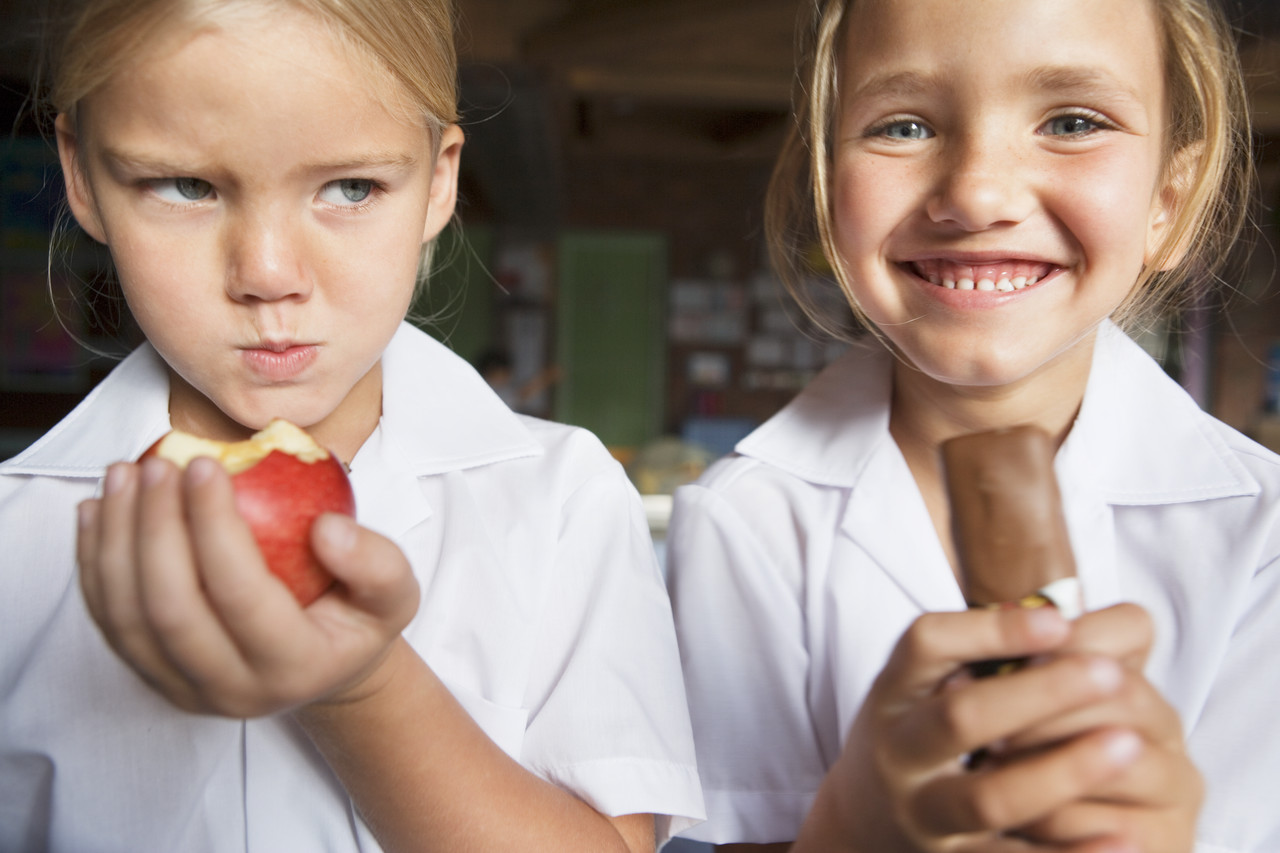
265 259
981 184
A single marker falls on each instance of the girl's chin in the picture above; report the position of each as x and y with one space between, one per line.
976 371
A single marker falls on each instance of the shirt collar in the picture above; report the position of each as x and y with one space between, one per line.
438 414
1140 439
1163 450
831 430
121 417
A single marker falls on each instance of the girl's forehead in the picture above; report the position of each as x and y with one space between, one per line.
242 24
1118 37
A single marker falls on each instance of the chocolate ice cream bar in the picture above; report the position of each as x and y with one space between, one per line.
1007 523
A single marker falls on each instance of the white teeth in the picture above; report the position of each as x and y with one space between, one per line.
1003 285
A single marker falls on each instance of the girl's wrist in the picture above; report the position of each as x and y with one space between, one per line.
392 664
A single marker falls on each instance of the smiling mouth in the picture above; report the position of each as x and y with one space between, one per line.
1003 276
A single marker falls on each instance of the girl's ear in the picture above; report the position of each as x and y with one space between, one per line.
1168 208
79 195
444 183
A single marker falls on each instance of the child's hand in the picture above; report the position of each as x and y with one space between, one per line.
1154 803
901 782
174 579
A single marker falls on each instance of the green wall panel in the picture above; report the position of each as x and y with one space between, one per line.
610 344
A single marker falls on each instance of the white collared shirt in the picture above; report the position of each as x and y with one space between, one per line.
542 609
796 563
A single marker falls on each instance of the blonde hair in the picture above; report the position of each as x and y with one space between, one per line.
1207 154
409 41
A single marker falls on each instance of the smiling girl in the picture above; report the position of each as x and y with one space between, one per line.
999 186
496 668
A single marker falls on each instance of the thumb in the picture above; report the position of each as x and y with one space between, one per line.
374 572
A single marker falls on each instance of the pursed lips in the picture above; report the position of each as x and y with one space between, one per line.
280 360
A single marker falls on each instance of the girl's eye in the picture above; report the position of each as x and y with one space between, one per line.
1071 125
182 190
347 191
905 130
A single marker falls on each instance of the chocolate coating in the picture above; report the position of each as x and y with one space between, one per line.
1006 514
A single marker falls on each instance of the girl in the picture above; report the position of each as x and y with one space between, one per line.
265 175
996 183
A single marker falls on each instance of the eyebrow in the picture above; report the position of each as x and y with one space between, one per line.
1056 78
898 84
374 161
152 165
1049 78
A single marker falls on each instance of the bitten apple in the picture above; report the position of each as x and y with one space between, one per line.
283 481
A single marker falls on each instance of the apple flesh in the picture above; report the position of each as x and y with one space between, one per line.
283 481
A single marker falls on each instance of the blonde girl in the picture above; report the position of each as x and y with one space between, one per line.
998 184
496 669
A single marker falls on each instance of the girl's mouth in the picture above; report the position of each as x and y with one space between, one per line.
1003 276
280 362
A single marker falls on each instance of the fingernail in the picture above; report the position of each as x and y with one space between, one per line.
1047 622
1106 674
153 471
117 475
200 469
1123 747
85 512
338 531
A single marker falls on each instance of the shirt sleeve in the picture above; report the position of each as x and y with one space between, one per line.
608 715
738 603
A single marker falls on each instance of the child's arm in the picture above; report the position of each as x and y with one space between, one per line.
172 576
1091 757
452 785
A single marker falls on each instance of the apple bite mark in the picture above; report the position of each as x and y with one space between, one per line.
283 481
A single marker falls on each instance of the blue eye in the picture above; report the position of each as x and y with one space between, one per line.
1071 125
182 190
347 191
907 130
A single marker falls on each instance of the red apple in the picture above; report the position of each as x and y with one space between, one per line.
283 481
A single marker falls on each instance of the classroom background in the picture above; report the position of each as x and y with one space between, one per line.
609 247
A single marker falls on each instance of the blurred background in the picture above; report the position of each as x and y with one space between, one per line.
608 267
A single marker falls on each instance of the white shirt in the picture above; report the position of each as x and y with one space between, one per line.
543 611
797 563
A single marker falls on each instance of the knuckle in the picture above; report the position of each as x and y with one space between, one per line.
166 617
987 804
958 716
130 637
922 636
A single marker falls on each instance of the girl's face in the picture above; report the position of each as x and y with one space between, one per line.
997 176
265 212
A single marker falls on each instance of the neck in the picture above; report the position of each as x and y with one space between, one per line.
925 412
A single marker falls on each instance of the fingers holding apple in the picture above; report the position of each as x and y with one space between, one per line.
283 481
174 575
